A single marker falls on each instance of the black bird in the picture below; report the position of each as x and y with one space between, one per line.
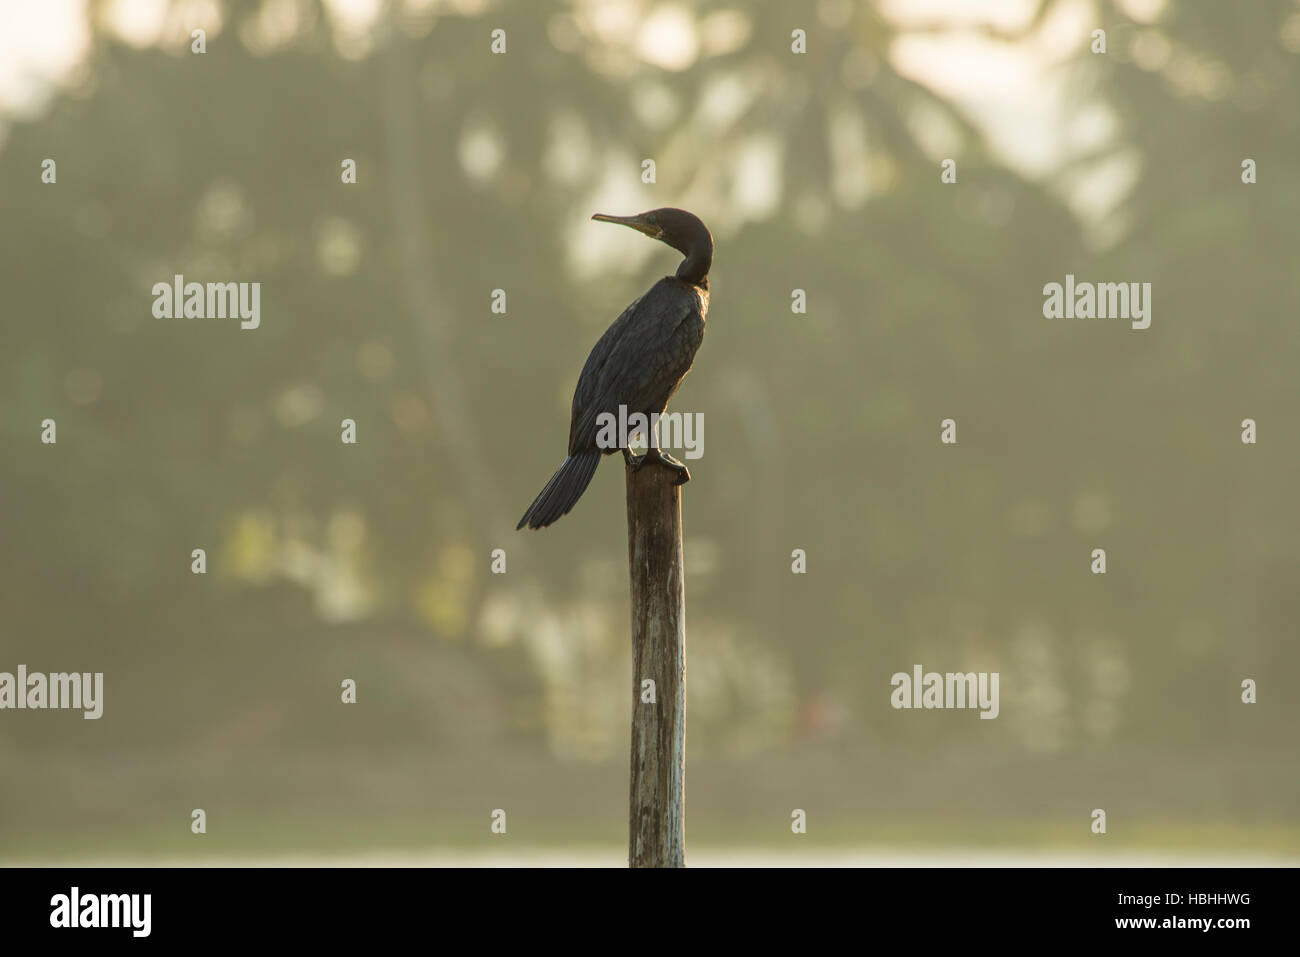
639 362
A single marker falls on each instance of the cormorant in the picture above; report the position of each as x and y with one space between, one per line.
639 362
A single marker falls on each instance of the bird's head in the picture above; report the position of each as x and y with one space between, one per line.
676 227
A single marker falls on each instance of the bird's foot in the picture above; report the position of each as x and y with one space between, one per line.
632 460
663 458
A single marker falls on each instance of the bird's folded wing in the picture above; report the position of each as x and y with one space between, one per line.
646 350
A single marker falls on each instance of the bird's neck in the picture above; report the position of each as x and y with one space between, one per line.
695 267
695 242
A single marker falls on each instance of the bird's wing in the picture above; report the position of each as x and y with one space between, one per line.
645 351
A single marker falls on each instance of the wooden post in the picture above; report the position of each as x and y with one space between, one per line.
654 546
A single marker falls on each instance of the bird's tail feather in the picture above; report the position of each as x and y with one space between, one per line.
562 491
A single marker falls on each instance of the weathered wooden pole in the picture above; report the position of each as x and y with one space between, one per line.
656 815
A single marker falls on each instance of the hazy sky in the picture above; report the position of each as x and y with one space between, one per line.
41 41
1013 91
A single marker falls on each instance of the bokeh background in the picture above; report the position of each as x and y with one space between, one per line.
818 171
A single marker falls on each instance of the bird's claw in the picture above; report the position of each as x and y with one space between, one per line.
663 458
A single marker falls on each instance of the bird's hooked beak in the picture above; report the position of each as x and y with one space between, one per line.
639 223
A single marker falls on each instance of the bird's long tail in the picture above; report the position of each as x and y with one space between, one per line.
562 491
